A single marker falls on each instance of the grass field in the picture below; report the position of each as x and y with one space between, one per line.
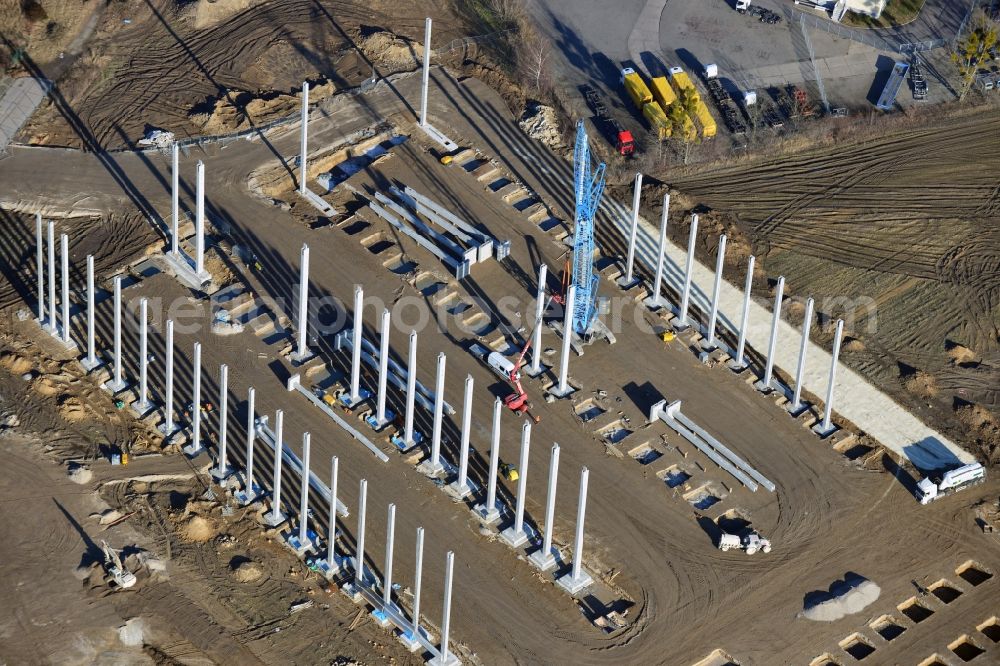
896 12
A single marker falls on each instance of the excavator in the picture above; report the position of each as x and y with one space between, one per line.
113 565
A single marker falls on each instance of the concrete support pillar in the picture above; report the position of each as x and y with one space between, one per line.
433 465
720 260
251 492
199 224
536 343
195 447
461 486
578 579
142 405
64 252
410 638
40 267
409 437
543 557
116 383
765 385
738 363
797 406
826 427
489 511
629 278
331 527
563 389
682 321
359 560
654 301
51 322
382 418
425 77
175 206
515 536
168 427
302 352
222 468
355 396
444 657
381 616
304 139
304 540
276 517
90 360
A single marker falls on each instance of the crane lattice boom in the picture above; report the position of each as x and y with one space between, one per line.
589 186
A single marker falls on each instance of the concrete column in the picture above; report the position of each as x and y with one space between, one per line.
359 561
765 384
175 207
536 354
304 540
737 364
40 267
251 439
543 558
515 535
796 407
331 528
195 445
444 658
222 469
390 538
359 297
381 419
713 317
90 361
461 486
564 389
578 579
304 148
655 301
426 73
489 512
168 427
411 638
682 321
51 323
302 351
64 251
117 383
826 427
276 517
142 405
434 465
628 279
199 230
411 391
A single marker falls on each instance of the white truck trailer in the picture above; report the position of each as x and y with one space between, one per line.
932 487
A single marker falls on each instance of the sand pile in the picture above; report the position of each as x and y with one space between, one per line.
199 529
247 572
845 597
921 383
132 632
17 365
392 51
541 123
79 474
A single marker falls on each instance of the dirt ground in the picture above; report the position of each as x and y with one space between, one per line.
216 588
205 68
899 235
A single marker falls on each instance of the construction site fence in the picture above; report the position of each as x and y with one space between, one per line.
875 39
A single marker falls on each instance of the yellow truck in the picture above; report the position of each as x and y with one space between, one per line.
662 92
681 81
636 87
705 119
657 119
